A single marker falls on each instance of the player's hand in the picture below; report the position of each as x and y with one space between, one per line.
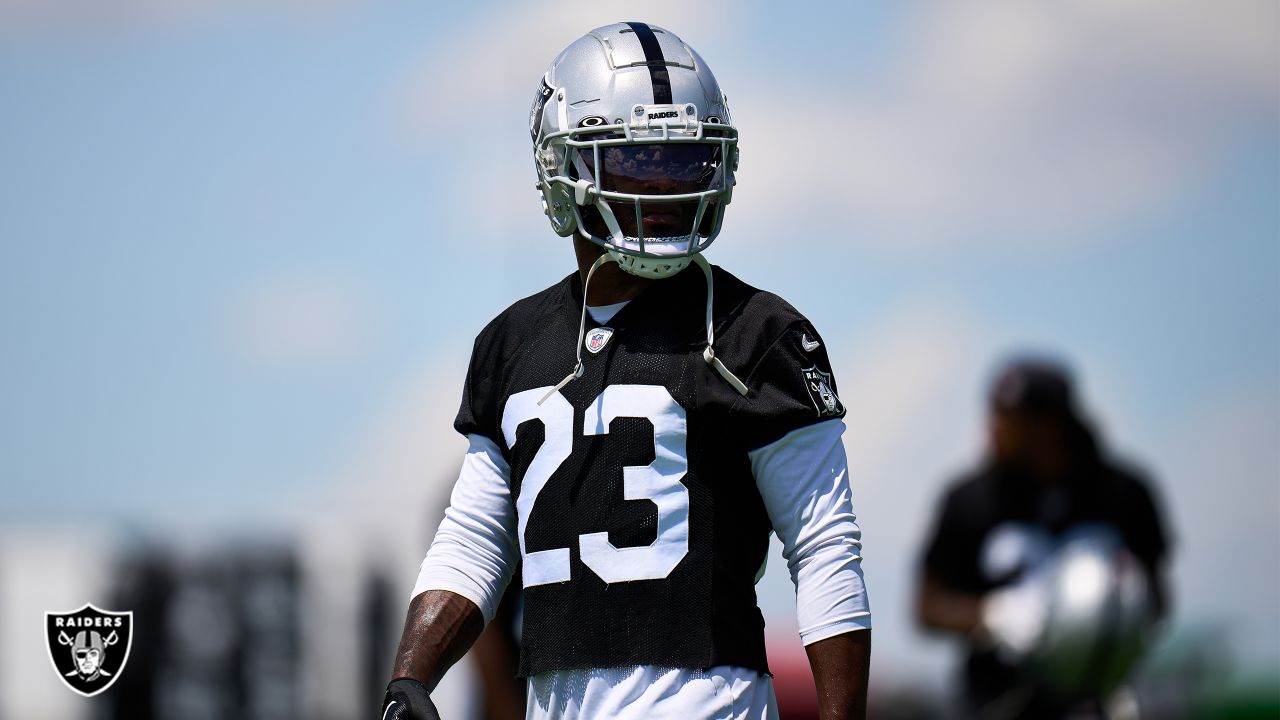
1014 618
408 699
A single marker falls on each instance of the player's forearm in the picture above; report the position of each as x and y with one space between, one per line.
841 665
438 629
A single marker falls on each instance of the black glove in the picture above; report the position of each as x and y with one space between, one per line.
408 699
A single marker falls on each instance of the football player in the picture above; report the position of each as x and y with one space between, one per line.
1038 554
638 429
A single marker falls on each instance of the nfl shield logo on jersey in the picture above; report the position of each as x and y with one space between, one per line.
88 647
824 398
597 338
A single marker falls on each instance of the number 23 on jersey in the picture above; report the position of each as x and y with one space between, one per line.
658 482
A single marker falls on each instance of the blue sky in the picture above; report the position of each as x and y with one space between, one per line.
236 235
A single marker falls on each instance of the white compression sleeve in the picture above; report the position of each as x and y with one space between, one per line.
803 478
475 552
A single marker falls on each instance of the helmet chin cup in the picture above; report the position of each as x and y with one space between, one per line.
650 268
653 258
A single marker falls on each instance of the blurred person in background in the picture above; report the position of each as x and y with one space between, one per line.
638 492
1048 559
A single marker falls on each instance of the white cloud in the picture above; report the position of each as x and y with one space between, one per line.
1002 121
487 75
1014 120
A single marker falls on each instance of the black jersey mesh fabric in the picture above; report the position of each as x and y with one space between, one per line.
703 613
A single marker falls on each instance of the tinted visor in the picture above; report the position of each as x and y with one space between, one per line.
656 169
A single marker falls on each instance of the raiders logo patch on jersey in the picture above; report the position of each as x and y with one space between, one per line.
818 383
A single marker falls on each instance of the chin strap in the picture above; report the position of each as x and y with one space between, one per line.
708 353
582 328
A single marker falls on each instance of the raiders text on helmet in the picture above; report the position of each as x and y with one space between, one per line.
633 147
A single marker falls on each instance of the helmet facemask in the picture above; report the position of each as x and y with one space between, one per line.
652 191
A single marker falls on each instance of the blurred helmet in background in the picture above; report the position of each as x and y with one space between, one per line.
1100 614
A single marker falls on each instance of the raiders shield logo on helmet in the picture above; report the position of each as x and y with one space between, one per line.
88 647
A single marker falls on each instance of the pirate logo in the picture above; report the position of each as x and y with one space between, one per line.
818 383
88 647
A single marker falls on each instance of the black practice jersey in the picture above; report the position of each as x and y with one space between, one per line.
640 526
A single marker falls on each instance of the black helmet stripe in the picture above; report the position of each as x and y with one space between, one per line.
656 62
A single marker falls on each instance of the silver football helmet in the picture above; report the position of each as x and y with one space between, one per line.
1100 619
634 147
